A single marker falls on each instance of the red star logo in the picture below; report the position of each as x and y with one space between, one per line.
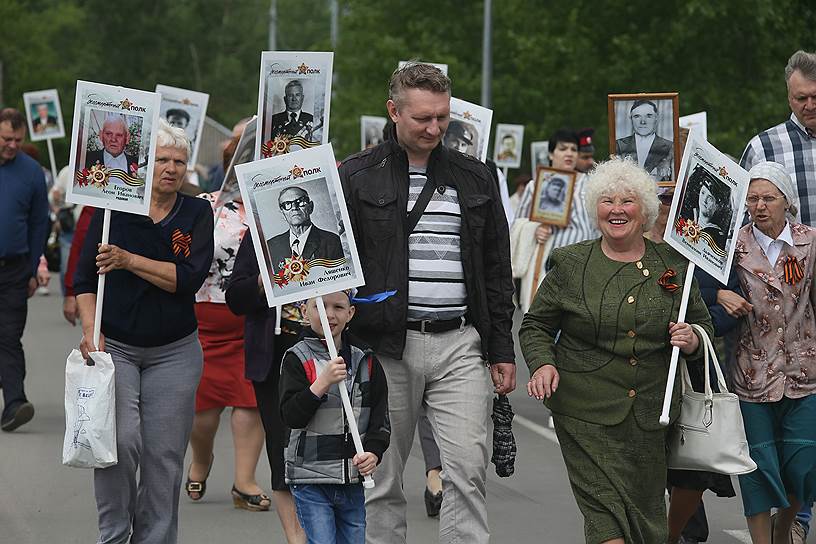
723 172
296 171
302 68
467 115
125 104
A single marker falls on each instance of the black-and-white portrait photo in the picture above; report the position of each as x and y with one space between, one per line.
552 196
300 225
187 110
645 130
462 137
707 208
43 114
244 153
469 128
294 98
302 238
707 202
539 155
371 130
507 145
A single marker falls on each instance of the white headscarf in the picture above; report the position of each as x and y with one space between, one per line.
778 175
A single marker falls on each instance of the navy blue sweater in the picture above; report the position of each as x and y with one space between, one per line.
23 209
135 311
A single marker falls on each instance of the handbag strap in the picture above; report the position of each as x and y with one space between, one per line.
710 356
420 205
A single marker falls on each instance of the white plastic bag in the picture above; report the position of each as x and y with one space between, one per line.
90 412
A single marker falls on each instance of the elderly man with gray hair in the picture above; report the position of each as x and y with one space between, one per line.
793 144
115 138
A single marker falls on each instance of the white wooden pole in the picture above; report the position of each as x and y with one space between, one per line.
681 317
368 482
100 286
51 157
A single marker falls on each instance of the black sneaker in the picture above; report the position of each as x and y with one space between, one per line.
21 416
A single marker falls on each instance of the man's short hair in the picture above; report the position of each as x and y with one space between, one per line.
175 112
14 117
804 62
417 76
562 135
294 188
293 83
115 118
639 103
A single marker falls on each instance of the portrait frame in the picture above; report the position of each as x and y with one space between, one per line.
371 124
544 176
705 231
313 71
696 121
244 153
94 183
295 278
49 98
663 160
536 148
478 119
508 159
194 104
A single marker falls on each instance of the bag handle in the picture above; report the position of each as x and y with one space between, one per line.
710 355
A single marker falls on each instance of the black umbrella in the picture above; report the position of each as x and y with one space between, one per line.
504 443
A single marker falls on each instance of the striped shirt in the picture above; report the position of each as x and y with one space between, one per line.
794 146
436 279
580 226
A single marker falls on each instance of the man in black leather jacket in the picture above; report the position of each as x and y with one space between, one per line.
452 311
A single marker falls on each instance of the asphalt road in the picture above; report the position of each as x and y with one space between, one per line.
42 501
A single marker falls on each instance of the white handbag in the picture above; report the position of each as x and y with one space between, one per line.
709 434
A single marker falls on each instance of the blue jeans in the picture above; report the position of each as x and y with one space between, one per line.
804 516
331 513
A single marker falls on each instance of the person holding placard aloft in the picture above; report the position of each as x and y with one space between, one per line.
322 467
154 267
611 303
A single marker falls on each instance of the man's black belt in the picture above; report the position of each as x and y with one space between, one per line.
444 325
14 259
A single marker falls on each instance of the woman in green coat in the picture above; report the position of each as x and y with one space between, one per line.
598 339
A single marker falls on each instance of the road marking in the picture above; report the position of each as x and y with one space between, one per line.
540 430
739 534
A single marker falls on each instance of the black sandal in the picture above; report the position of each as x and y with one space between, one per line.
193 486
253 503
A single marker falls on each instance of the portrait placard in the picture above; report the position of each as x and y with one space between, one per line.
113 147
539 155
185 109
645 128
707 209
508 145
469 128
443 67
371 130
696 121
300 225
552 196
244 153
294 98
44 115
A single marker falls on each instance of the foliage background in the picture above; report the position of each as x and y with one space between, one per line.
554 62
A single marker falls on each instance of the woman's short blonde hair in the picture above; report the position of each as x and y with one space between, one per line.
170 136
619 176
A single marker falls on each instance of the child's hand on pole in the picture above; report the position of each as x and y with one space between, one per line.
335 372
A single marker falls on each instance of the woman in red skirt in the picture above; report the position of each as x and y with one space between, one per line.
223 383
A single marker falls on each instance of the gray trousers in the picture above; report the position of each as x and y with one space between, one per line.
445 373
155 404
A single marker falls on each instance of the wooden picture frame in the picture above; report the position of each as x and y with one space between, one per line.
552 208
657 115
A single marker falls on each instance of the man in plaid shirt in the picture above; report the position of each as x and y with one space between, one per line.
793 144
